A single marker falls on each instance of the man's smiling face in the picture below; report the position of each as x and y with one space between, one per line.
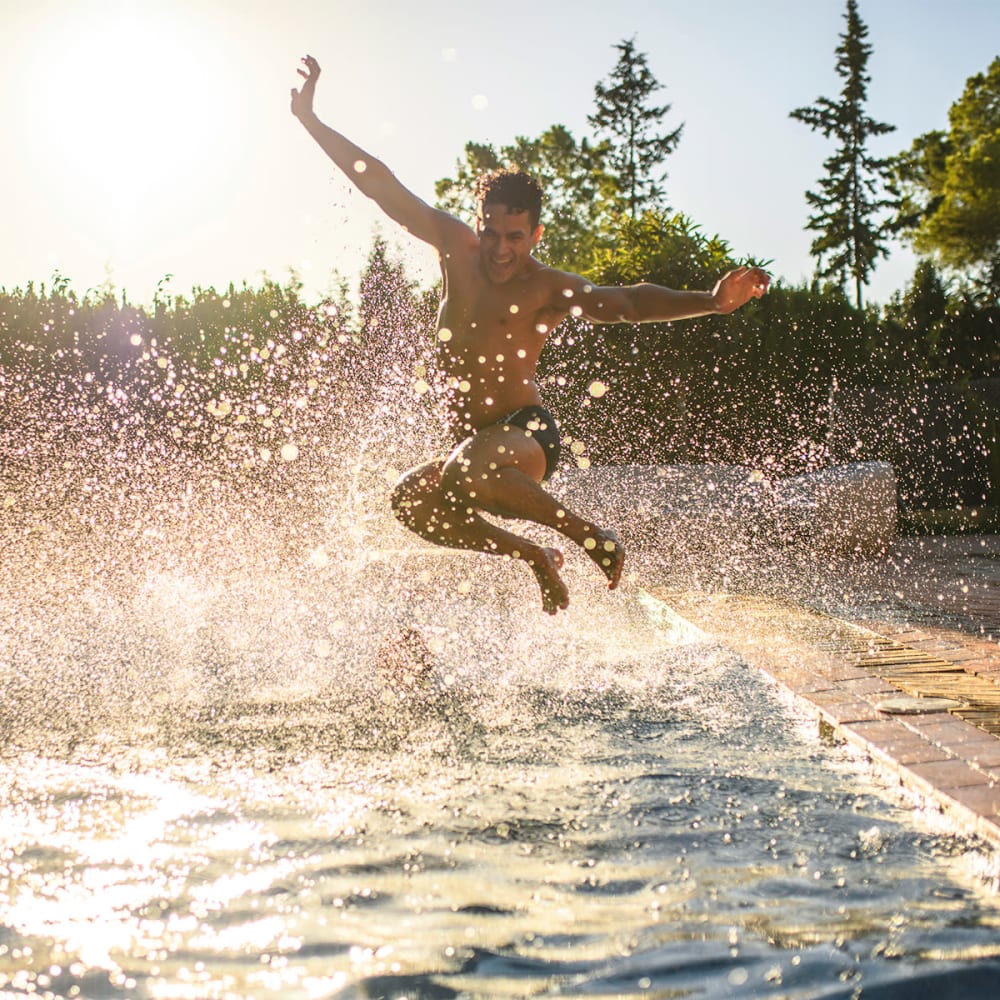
506 239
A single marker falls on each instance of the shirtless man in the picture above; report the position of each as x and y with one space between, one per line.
498 306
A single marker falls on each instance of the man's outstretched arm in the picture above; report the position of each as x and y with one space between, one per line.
372 177
647 303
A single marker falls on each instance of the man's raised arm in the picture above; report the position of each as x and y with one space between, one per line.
647 303
372 177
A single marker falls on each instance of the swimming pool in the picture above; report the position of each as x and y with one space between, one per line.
210 791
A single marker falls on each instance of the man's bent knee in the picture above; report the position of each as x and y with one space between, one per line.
420 501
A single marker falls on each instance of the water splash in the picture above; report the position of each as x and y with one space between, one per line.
210 788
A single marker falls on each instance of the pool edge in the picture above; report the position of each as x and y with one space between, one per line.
943 759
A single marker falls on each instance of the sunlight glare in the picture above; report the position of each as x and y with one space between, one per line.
129 103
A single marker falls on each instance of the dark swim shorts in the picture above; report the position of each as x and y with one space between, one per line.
541 425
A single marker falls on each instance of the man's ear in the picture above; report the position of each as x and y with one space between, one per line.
537 234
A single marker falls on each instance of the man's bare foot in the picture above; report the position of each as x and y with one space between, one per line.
546 568
606 549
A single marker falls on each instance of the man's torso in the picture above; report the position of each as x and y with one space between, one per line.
489 338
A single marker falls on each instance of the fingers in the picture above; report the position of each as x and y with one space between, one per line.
757 275
762 280
311 72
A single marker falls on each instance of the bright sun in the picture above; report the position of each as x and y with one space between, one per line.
126 100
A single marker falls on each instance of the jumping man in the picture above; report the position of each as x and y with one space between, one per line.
498 307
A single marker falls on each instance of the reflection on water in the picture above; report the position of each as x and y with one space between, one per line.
209 790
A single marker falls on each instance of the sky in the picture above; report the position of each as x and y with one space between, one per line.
153 138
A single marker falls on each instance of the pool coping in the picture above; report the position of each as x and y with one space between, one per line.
945 760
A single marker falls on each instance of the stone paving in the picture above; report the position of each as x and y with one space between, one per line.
935 632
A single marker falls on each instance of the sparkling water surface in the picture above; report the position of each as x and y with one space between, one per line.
211 788
218 780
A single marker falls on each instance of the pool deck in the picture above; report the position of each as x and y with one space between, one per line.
934 632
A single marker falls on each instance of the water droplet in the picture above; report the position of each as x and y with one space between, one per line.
597 389
289 452
360 166
444 334
219 409
738 976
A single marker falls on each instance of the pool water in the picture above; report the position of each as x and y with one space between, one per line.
210 789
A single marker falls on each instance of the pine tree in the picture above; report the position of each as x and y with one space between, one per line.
855 190
624 116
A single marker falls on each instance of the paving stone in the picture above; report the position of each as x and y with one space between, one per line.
984 753
950 732
981 799
844 708
946 775
894 742
873 686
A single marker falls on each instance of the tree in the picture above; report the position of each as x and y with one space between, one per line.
394 319
623 115
851 200
951 184
589 185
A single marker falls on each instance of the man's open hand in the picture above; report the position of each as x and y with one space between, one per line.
737 287
302 100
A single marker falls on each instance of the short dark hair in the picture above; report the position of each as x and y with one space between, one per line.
512 187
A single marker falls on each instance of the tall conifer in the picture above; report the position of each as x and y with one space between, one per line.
624 116
853 194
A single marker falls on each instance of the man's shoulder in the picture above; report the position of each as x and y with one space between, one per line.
553 278
454 231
